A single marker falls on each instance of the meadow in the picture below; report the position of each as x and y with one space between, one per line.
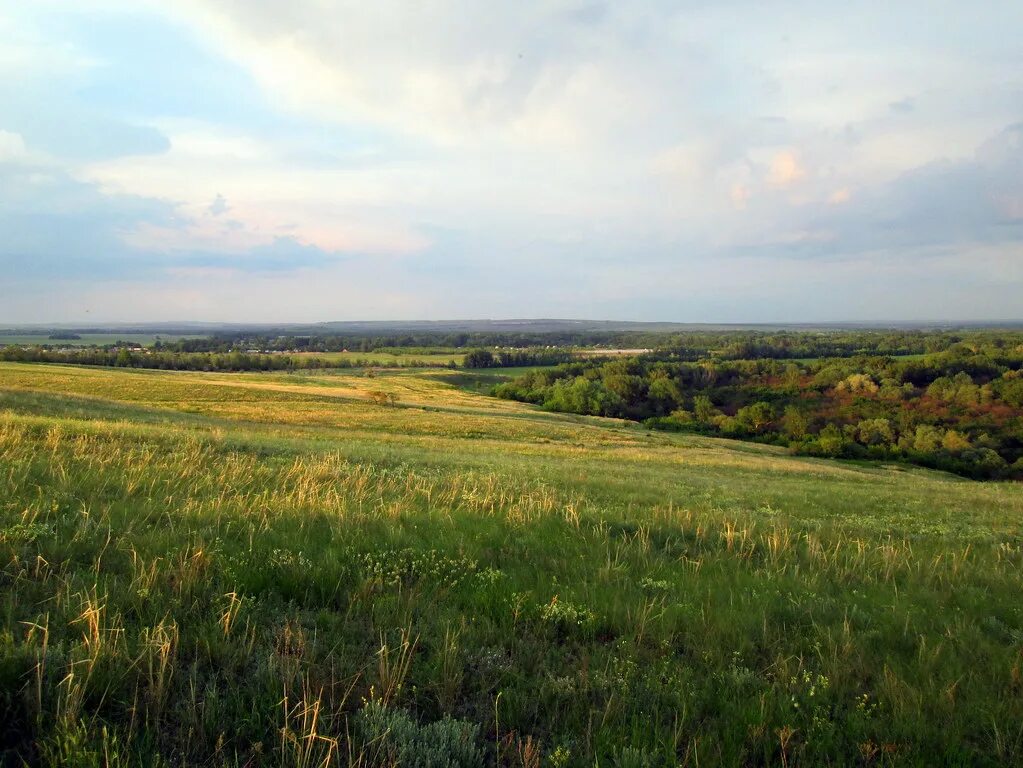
389 568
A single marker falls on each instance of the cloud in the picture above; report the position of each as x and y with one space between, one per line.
526 157
740 195
840 196
961 206
12 147
466 69
61 230
944 203
283 254
902 106
219 206
785 169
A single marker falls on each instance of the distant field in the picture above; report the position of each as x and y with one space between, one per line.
397 358
484 379
89 339
283 569
609 352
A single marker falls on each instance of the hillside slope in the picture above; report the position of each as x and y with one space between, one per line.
280 569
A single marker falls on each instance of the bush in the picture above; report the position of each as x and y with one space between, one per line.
393 738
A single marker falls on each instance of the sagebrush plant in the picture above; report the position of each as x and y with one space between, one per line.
260 570
392 737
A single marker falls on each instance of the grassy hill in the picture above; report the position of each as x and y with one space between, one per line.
277 569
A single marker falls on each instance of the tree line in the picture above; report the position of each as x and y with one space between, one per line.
515 358
161 358
373 343
184 361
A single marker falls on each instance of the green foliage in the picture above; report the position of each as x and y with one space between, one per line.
479 358
583 395
795 423
704 409
566 616
875 432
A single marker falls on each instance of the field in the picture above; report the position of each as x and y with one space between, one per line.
397 357
89 339
388 568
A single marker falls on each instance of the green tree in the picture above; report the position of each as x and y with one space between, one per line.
795 423
664 394
756 417
830 441
875 432
927 439
479 358
704 409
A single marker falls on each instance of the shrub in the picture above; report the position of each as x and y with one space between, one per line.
565 615
393 738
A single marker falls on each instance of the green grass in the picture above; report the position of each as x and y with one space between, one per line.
482 380
272 569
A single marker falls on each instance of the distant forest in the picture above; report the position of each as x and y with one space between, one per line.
695 345
959 409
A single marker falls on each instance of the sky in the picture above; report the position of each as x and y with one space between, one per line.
693 161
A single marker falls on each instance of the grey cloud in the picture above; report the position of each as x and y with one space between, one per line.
56 229
940 205
945 202
284 254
